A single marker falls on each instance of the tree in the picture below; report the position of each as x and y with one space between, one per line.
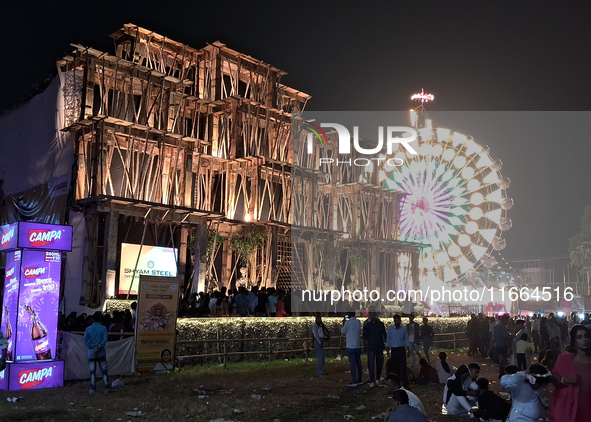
580 244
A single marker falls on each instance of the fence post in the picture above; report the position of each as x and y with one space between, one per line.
455 341
270 349
307 350
225 353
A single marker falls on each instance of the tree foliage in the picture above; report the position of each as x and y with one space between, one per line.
580 244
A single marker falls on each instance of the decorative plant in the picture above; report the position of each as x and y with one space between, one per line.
244 246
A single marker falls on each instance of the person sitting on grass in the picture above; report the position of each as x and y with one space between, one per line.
490 406
525 391
402 411
427 374
458 390
393 384
445 370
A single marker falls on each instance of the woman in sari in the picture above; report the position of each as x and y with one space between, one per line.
572 379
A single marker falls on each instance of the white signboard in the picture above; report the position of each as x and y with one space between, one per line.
154 261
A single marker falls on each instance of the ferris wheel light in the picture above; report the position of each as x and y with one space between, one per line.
484 161
464 240
442 258
488 234
476 213
448 274
465 265
437 151
477 198
494 215
429 262
492 177
478 251
459 139
507 204
449 154
472 147
473 185
454 250
496 196
460 162
467 173
471 227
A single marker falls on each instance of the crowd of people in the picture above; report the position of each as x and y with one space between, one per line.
563 361
263 302
115 322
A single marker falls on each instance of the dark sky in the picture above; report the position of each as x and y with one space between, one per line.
372 55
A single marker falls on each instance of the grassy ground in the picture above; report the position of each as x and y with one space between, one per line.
291 392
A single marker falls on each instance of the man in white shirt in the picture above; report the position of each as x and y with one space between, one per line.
397 342
351 328
392 382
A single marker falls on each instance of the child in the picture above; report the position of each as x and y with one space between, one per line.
525 392
444 369
490 406
521 349
427 374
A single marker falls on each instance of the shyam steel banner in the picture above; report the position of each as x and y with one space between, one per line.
38 303
155 321
154 261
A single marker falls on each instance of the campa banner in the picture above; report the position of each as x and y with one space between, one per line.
29 235
31 375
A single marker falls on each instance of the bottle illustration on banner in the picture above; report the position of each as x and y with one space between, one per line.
8 335
39 336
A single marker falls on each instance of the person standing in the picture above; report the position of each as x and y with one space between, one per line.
262 307
535 332
414 334
571 377
396 344
240 303
501 339
320 333
473 332
427 337
522 330
351 328
374 336
252 300
272 302
484 328
95 339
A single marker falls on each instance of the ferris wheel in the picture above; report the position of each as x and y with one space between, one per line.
456 202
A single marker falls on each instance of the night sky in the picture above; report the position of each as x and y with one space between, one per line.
529 56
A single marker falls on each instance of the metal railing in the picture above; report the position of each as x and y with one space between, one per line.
454 339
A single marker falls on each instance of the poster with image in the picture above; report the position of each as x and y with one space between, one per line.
38 305
10 302
156 321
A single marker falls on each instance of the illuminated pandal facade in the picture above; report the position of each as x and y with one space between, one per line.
185 143
345 224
